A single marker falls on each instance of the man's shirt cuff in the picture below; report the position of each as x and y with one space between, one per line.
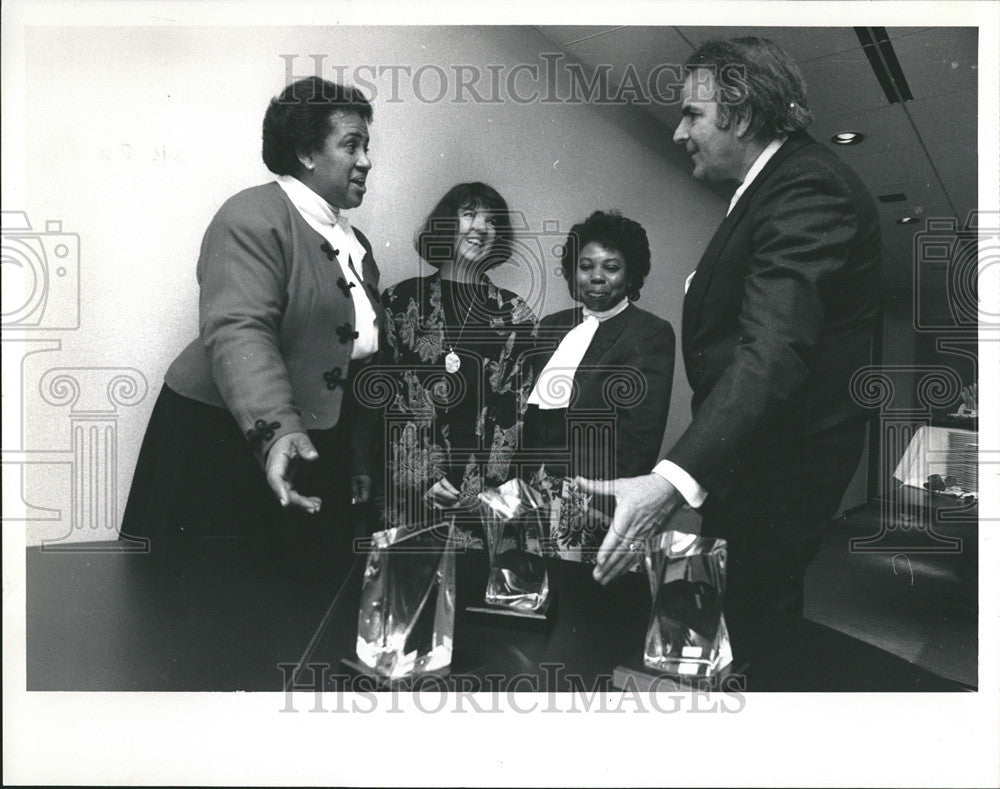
693 493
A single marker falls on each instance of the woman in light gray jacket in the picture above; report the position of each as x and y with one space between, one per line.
256 432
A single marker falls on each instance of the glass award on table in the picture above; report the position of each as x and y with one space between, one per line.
687 634
516 520
575 527
406 618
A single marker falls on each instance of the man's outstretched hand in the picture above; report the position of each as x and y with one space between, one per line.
643 506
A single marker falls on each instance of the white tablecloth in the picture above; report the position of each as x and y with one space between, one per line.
947 451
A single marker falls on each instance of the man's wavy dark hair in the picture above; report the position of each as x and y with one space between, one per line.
754 77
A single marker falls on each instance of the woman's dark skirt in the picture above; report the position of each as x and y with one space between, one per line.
197 478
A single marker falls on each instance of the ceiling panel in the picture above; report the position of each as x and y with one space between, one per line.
645 49
901 241
565 35
884 127
667 114
890 145
920 190
947 125
959 174
891 159
948 119
902 32
842 83
939 60
802 43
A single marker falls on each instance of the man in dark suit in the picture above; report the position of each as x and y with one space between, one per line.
777 318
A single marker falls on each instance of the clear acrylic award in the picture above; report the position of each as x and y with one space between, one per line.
516 519
406 619
687 633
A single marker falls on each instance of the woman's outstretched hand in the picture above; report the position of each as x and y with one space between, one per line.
442 494
283 459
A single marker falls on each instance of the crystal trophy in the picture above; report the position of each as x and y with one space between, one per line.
515 519
687 633
406 619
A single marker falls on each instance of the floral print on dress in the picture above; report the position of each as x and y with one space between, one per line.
470 437
576 529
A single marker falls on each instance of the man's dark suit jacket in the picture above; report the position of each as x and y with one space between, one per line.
778 316
628 369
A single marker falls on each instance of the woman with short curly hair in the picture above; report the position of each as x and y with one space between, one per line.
256 432
603 370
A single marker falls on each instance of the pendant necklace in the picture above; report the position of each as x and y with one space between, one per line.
452 363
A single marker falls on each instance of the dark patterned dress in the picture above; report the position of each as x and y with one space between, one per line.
462 425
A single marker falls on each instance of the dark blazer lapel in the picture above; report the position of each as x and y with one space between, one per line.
703 274
370 273
552 330
572 320
606 336
563 324
792 144
370 276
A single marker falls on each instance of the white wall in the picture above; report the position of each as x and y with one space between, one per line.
134 136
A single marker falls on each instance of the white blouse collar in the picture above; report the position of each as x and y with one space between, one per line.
618 309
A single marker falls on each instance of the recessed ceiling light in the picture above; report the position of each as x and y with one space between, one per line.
847 138
906 220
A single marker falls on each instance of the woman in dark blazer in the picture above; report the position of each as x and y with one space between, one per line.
254 430
604 370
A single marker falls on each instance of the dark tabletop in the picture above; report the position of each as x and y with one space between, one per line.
225 615
214 615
